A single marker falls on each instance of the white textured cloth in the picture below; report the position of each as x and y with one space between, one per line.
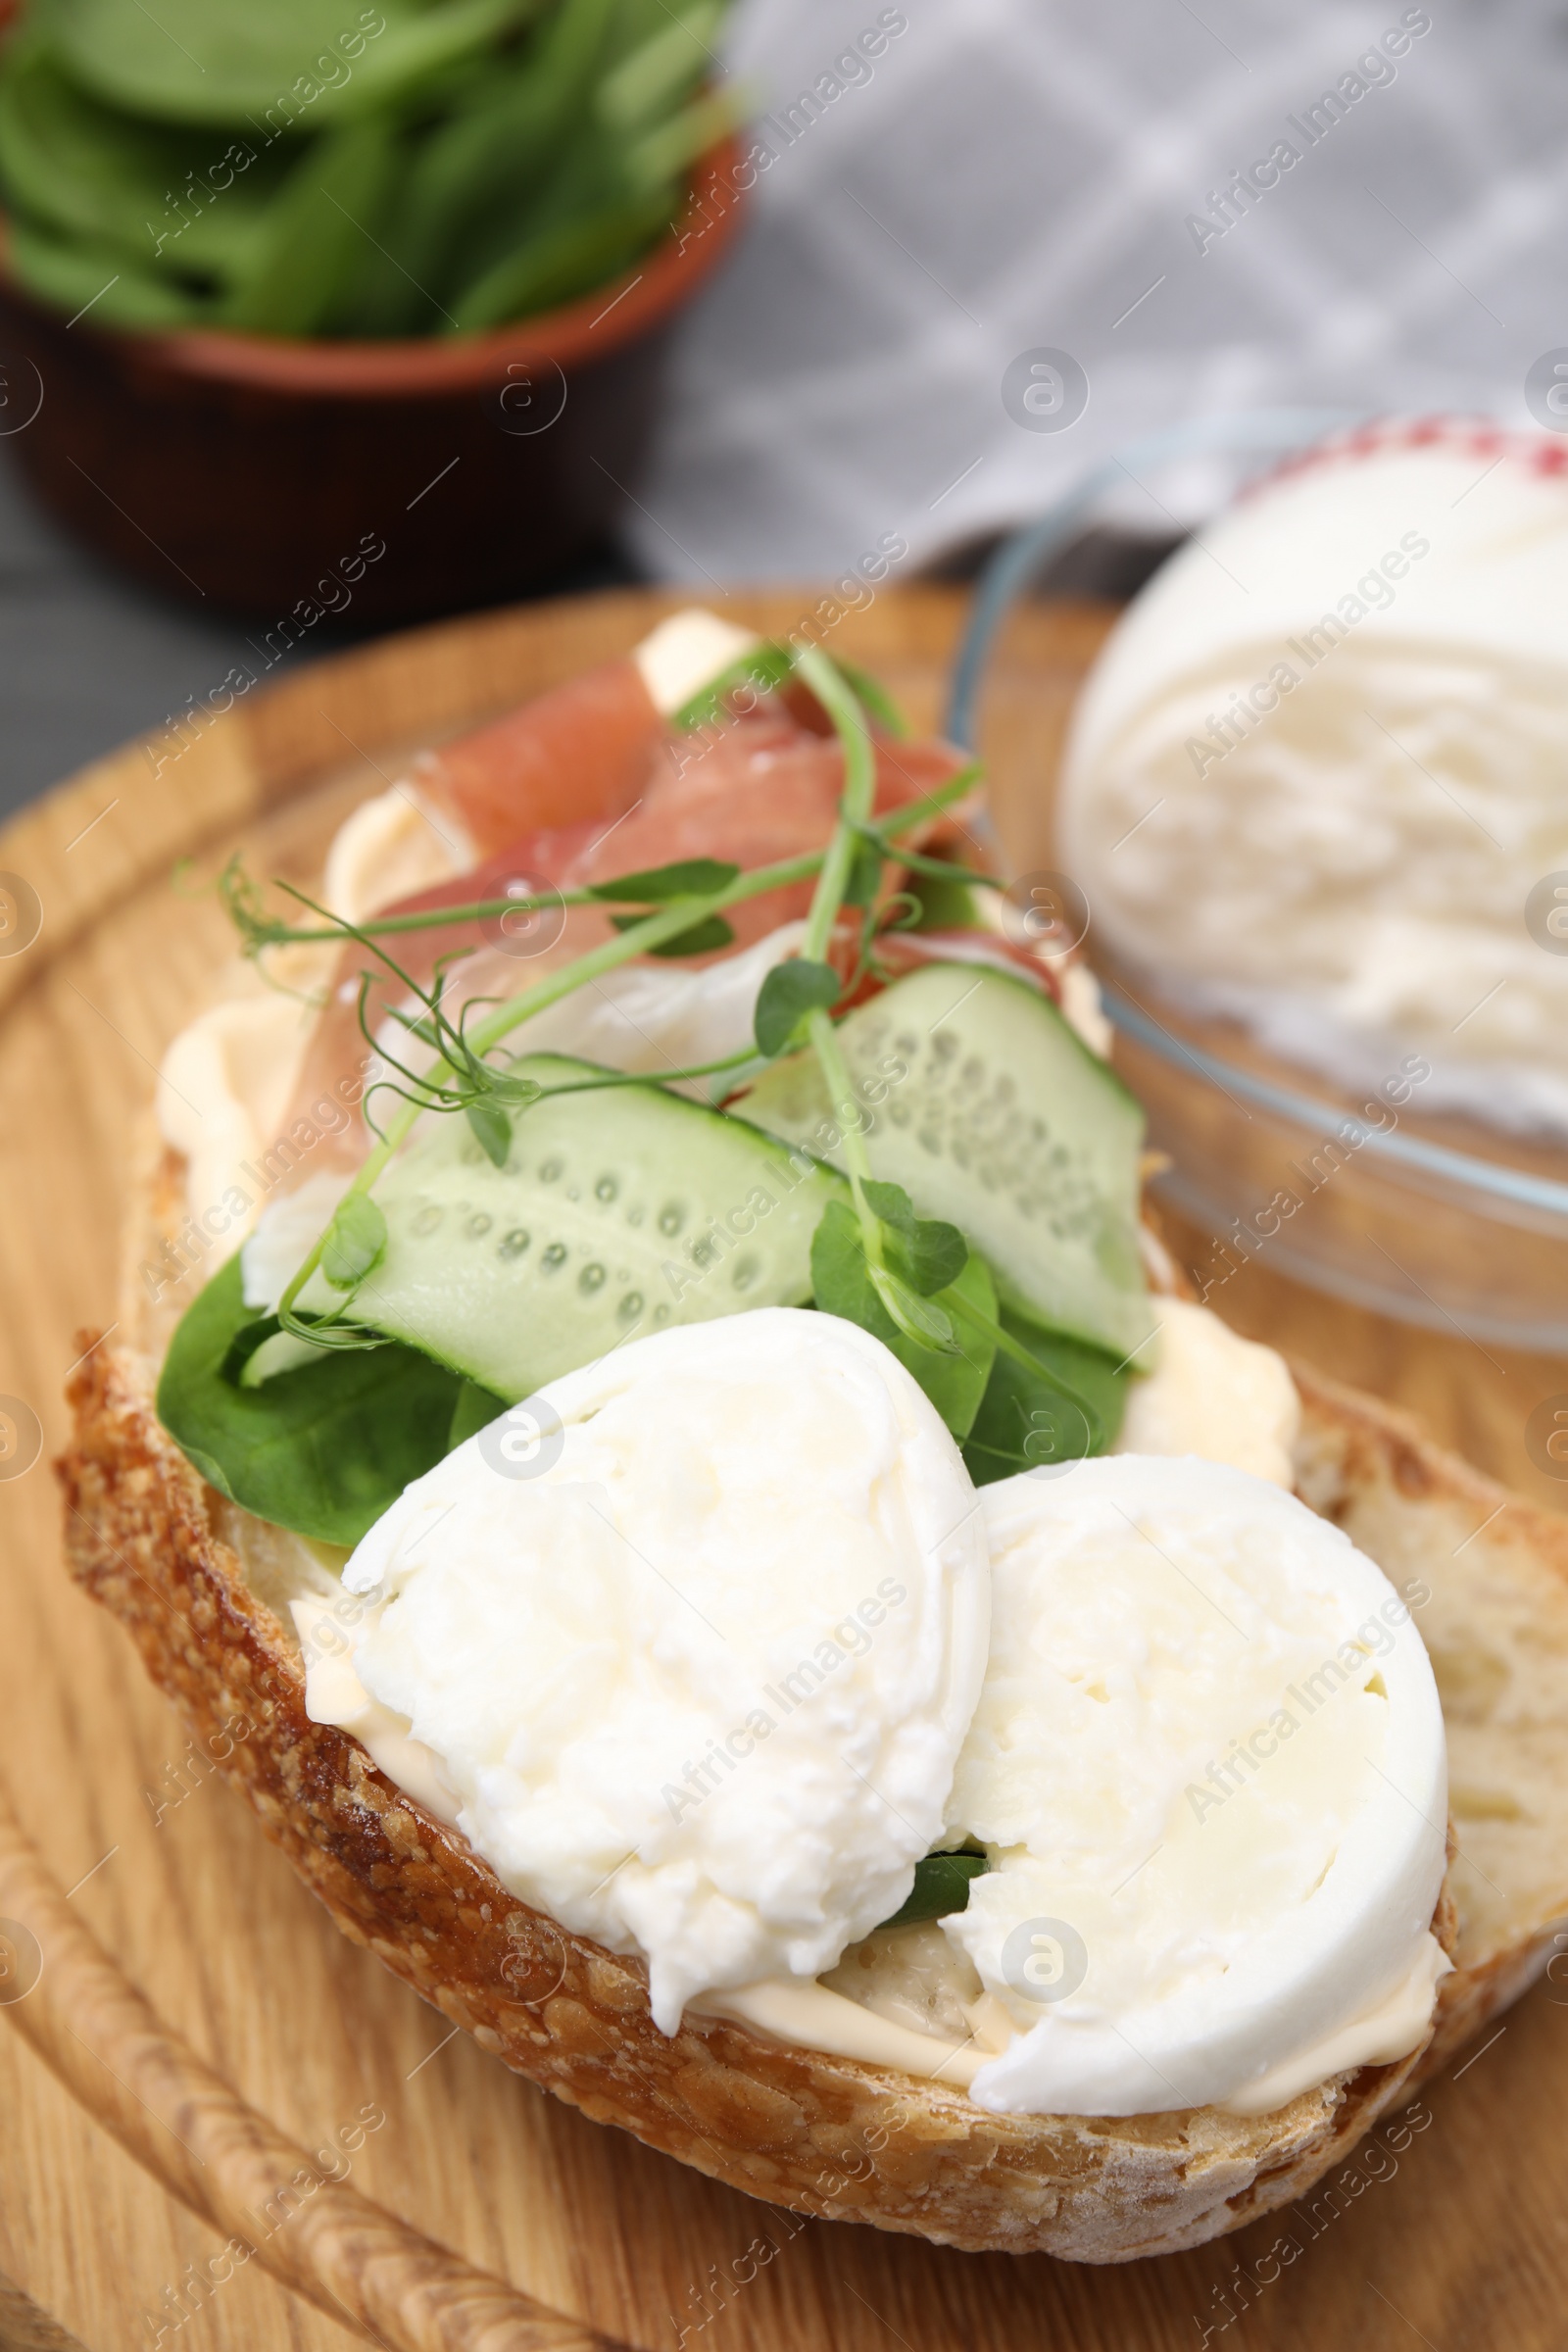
1006 175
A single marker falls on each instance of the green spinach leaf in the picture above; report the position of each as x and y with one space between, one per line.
686 879
187 61
1024 1423
325 1448
954 1379
941 1884
410 168
710 932
474 1411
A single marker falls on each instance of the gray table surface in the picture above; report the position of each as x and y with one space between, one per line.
86 658
89 658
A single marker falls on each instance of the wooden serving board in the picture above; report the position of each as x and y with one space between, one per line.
1461 2239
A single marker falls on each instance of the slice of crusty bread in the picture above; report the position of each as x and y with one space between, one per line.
1496 1631
192 1578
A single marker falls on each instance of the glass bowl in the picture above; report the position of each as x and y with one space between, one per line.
1434 1219
1430 1218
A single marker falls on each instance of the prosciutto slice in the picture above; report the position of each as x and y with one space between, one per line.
578 753
610 791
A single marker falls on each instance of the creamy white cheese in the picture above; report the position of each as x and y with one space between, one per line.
698 1668
388 849
1317 773
222 1090
686 653
1212 1394
335 1694
1208 1766
1207 1760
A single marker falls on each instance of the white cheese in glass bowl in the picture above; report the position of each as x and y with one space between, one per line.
1316 774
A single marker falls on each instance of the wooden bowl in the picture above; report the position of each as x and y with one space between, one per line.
262 474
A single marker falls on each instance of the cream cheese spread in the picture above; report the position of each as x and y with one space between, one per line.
387 849
223 1089
1214 1394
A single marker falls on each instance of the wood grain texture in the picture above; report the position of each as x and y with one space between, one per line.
271 2200
1461 2236
24 2327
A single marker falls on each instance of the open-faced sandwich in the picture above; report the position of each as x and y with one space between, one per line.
656 1401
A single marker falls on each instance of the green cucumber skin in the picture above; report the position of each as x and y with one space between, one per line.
618 1212
1004 1123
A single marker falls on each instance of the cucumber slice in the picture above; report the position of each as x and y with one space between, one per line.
981 1101
619 1211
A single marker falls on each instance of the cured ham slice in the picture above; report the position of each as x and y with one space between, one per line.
755 790
766 788
581 751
